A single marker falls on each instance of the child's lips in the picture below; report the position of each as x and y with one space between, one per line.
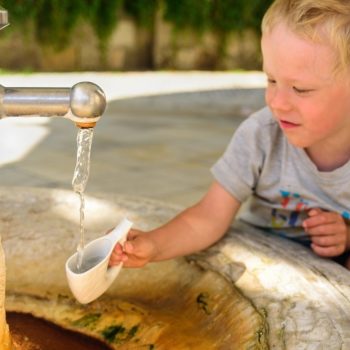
288 125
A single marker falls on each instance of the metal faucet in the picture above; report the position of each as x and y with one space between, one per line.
84 103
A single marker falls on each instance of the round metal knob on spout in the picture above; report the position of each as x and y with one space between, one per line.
88 103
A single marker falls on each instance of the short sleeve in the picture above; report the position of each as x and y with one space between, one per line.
239 167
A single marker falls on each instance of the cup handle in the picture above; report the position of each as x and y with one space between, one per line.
113 271
119 233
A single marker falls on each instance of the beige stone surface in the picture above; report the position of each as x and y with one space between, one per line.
304 300
173 304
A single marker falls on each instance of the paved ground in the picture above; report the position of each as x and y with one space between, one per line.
158 138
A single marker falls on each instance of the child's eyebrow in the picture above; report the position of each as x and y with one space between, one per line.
292 80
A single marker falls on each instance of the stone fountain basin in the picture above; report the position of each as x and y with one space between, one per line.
248 291
169 305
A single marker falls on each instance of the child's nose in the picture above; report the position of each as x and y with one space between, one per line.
278 99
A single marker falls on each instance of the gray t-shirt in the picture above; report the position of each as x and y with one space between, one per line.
278 181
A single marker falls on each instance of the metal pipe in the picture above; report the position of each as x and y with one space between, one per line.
30 101
84 103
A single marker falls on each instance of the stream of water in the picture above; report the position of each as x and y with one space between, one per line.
80 178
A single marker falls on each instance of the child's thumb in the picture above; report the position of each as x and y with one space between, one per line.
133 234
128 247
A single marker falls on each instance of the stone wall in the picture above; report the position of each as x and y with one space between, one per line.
130 48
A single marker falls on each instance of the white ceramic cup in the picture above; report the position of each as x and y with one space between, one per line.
94 280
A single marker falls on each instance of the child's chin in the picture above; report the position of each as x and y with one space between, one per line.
298 143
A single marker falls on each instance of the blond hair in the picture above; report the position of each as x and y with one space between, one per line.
317 20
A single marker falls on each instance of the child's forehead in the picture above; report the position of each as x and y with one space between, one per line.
284 50
320 38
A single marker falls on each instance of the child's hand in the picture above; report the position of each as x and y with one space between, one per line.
137 251
328 232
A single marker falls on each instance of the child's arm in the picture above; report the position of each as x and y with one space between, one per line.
192 230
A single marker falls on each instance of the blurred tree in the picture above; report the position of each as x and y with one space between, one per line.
256 11
228 15
21 10
55 20
103 15
188 14
142 10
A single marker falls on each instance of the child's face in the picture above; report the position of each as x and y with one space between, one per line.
310 102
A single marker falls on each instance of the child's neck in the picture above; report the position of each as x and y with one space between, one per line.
328 159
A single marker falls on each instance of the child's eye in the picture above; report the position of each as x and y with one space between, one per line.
271 81
301 91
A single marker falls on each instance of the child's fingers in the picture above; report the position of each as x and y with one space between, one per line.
135 252
313 221
120 251
321 219
327 251
133 234
128 247
328 241
118 248
138 248
324 229
314 211
116 258
130 254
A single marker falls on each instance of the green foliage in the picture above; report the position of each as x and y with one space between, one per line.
21 11
185 14
142 10
256 11
219 15
228 15
103 15
55 20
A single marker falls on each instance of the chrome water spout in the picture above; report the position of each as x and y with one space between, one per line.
84 103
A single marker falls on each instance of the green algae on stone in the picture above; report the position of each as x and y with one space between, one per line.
87 321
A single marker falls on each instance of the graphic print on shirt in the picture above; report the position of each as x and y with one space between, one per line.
345 215
294 205
294 211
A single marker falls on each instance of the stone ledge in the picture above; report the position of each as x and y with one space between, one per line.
305 299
